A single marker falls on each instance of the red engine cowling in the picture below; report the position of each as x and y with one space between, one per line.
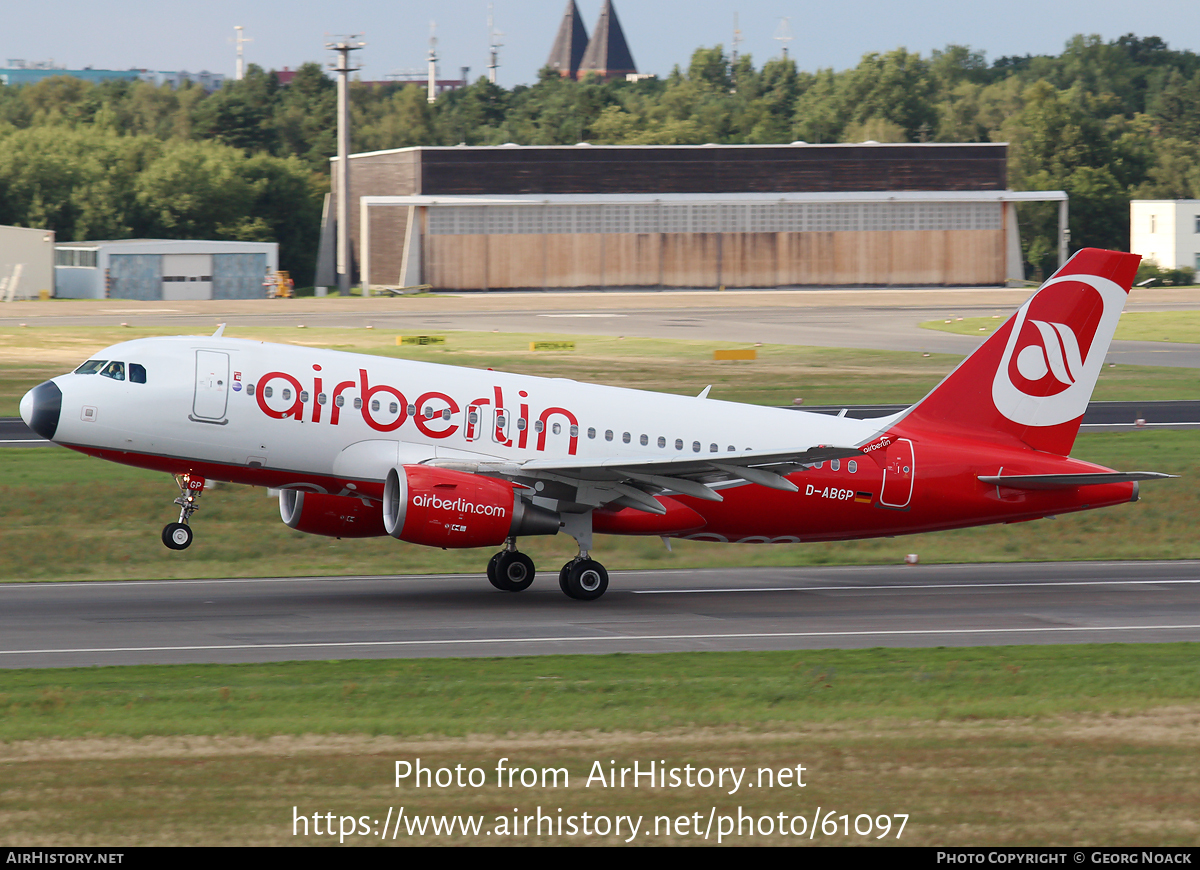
338 516
438 507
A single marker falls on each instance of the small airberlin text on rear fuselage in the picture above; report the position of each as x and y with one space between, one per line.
458 504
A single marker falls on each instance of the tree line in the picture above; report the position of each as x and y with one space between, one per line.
1105 121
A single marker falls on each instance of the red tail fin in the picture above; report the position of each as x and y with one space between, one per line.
1032 379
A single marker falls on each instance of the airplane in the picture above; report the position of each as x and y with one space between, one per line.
445 456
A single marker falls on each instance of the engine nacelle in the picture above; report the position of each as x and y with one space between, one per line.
338 516
438 507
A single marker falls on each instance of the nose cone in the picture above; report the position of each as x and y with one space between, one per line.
40 409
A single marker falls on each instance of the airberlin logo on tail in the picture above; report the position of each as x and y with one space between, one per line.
1056 349
1057 355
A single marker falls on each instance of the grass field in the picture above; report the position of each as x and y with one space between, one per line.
1090 744
1182 326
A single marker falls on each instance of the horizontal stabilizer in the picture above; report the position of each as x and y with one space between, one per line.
1065 481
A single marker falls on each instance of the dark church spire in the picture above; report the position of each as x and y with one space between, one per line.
607 54
570 43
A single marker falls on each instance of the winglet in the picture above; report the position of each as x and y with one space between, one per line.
220 331
704 392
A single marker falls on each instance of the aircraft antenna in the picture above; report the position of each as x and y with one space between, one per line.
783 33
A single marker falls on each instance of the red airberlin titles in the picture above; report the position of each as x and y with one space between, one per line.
365 446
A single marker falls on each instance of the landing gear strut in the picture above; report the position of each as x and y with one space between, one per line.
510 570
178 536
583 578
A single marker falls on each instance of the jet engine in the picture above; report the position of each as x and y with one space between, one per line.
337 516
439 507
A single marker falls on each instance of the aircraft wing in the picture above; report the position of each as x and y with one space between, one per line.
632 481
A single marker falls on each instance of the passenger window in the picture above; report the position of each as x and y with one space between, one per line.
645 440
662 442
137 373
608 435
625 437
852 466
591 432
835 464
114 370
91 367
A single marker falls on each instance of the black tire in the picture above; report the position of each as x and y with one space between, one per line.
587 580
491 570
177 536
562 579
514 572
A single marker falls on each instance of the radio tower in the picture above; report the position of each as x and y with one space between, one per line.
494 47
432 96
240 40
737 40
783 33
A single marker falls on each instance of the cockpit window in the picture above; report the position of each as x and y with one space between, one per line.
114 370
137 373
91 367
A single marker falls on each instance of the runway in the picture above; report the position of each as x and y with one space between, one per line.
227 621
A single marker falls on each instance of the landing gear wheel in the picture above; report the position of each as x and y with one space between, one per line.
562 579
491 570
586 580
514 571
177 536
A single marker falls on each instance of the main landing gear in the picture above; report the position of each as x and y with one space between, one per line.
583 578
178 536
510 570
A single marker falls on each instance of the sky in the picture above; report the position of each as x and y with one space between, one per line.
174 35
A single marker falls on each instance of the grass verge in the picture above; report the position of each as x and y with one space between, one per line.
1001 745
1181 326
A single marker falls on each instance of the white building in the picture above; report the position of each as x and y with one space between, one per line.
33 251
170 270
1166 231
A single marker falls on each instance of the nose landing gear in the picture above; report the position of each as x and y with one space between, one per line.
178 536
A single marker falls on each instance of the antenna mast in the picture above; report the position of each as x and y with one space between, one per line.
494 47
343 46
737 40
240 40
783 33
432 95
